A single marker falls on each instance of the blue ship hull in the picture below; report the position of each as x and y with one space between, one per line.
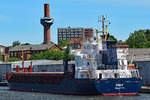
126 86
66 84
119 86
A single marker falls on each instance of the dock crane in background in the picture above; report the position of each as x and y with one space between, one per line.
105 34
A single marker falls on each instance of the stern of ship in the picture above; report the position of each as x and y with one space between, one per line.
119 86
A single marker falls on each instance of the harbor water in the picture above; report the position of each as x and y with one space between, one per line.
6 94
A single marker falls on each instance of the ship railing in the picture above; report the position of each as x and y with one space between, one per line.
106 67
135 73
119 73
128 73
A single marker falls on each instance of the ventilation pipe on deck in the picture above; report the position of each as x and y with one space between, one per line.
17 68
30 67
65 64
73 70
25 70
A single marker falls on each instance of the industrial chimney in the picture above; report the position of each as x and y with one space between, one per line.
46 21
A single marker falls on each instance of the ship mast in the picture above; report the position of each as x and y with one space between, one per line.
103 25
104 31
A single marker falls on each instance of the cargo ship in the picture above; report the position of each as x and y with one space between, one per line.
97 71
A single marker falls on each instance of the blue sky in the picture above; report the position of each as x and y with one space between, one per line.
20 19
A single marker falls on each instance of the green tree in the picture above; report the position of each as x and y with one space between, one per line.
66 54
120 41
71 57
13 59
25 44
147 34
111 37
147 44
37 57
15 43
63 43
54 55
137 39
50 55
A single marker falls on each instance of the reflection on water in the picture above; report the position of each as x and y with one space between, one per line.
6 94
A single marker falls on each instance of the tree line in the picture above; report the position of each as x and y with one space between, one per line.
53 55
136 39
139 39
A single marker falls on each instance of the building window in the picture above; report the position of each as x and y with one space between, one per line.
80 35
11 54
59 35
72 36
76 35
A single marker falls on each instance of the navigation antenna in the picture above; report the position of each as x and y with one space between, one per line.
104 31
103 25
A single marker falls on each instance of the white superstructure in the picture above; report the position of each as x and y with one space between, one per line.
97 60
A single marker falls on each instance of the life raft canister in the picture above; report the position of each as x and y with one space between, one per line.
131 66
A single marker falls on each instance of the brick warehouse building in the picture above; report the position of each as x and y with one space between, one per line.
70 33
29 50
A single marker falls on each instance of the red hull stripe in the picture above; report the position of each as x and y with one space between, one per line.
72 93
119 94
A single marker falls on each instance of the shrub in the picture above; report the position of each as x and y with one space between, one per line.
13 59
50 55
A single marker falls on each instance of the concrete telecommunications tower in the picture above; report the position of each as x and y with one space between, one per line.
46 21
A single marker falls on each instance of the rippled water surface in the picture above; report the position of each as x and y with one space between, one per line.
6 94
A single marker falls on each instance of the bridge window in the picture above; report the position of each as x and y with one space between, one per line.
116 75
100 75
